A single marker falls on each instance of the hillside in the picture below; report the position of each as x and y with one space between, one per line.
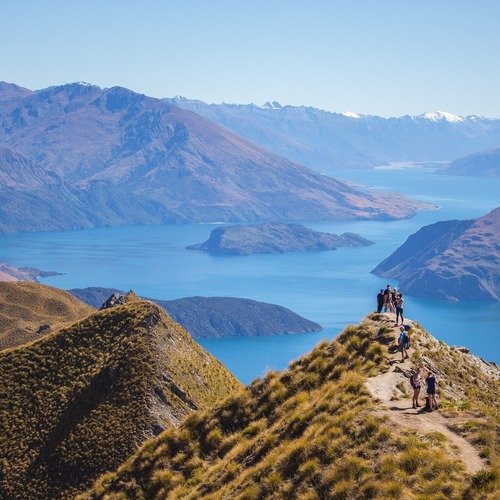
452 260
320 430
212 317
79 401
325 141
13 273
272 237
482 164
30 310
130 159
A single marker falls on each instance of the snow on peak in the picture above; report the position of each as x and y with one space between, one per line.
437 116
351 114
272 105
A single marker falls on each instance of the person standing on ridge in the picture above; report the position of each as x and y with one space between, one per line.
416 383
402 343
431 392
387 298
399 307
380 300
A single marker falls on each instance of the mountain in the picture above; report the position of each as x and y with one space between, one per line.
482 164
117 157
324 141
12 273
79 401
273 237
337 423
213 317
452 260
30 310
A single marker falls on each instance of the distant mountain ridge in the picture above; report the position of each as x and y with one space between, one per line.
323 140
113 156
481 164
453 260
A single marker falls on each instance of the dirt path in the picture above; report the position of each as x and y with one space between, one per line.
384 388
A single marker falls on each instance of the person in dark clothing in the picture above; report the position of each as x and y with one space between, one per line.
399 307
380 301
431 391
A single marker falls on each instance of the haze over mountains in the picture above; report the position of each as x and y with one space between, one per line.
112 156
324 141
481 164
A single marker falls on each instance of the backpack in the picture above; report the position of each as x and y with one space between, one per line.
404 337
407 328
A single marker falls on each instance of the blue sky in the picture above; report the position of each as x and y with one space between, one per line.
370 56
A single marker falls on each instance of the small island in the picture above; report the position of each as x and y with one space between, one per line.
272 238
213 317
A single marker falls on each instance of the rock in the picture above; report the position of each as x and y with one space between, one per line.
274 237
116 299
42 329
465 350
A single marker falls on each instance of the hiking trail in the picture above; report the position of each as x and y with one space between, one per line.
399 410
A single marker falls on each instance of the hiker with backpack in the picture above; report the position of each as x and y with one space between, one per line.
430 400
387 298
403 340
416 383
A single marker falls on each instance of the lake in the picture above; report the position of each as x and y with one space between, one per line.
333 288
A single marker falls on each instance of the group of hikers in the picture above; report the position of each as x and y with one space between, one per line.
392 301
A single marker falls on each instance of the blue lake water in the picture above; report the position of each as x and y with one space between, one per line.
332 288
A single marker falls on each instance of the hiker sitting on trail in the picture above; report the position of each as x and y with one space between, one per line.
402 343
431 403
399 307
380 300
387 298
416 383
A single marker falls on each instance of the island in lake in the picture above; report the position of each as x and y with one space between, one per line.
211 317
451 260
274 238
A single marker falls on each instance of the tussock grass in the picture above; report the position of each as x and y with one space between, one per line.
311 431
79 401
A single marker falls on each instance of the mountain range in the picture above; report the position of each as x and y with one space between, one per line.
77 155
451 260
323 140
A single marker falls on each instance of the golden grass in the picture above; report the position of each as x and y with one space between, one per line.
77 402
311 431
25 306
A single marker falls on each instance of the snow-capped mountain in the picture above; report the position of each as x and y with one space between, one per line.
324 140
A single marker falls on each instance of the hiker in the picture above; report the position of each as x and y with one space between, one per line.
387 298
409 332
402 343
416 383
399 307
380 300
431 403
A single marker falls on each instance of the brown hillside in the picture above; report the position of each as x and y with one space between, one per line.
25 306
322 430
77 402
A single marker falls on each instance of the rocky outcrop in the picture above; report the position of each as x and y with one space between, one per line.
451 260
274 238
211 317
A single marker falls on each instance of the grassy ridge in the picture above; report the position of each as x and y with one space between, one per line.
79 401
25 306
311 431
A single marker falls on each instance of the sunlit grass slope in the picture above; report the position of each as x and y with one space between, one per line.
314 431
78 402
25 306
